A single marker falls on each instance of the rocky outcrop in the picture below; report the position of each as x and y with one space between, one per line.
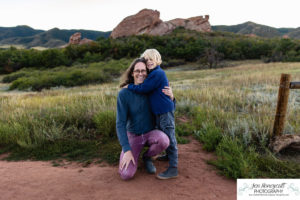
252 35
140 23
285 36
148 22
194 23
76 39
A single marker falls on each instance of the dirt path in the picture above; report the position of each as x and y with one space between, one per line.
40 180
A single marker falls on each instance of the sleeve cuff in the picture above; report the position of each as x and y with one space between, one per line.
126 148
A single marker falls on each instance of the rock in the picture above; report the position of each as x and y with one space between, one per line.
137 24
85 41
199 23
281 142
148 22
285 36
252 35
162 29
76 39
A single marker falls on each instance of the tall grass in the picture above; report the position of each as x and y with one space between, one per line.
230 110
239 104
34 122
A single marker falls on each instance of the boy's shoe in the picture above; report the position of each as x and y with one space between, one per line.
171 172
149 165
163 158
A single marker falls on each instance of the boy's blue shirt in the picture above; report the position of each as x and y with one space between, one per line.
153 85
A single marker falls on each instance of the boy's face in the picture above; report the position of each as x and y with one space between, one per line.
150 63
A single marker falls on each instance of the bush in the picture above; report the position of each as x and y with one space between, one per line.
271 167
233 160
12 77
209 135
37 80
52 134
110 151
68 78
181 45
181 140
237 161
106 124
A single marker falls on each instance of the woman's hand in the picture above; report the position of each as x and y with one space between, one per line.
168 91
127 157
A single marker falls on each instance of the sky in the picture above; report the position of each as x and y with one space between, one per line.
105 15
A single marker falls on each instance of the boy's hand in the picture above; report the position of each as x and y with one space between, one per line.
126 86
168 91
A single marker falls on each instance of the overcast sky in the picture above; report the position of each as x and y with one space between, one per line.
104 15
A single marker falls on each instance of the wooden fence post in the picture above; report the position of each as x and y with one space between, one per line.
283 97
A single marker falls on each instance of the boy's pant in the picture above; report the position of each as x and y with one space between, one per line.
155 139
166 123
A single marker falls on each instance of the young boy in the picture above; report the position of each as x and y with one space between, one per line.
161 105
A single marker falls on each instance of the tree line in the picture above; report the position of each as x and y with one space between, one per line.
181 44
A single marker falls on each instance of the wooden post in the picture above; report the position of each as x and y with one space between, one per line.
283 97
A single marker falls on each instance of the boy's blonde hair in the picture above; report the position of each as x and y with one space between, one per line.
152 54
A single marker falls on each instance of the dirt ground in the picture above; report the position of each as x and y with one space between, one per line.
31 180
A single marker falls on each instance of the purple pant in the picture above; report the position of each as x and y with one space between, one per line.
157 141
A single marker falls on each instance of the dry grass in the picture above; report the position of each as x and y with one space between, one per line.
241 99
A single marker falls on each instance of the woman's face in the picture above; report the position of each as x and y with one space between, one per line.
139 73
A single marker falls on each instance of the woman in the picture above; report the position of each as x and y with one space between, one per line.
135 123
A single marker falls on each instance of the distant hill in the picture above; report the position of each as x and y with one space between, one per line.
28 37
18 31
259 30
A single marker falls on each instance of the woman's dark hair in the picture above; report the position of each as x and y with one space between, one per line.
127 77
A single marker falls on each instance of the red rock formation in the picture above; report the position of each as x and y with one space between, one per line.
85 41
194 23
251 35
137 24
76 39
147 22
285 36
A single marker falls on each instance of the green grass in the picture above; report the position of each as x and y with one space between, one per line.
229 110
237 161
35 80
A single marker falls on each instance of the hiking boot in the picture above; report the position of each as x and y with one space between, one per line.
163 158
171 172
149 165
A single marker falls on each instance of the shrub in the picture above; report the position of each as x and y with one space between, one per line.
110 151
233 160
184 45
209 135
271 167
67 76
12 77
106 124
181 140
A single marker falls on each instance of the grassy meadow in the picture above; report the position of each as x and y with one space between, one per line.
230 110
